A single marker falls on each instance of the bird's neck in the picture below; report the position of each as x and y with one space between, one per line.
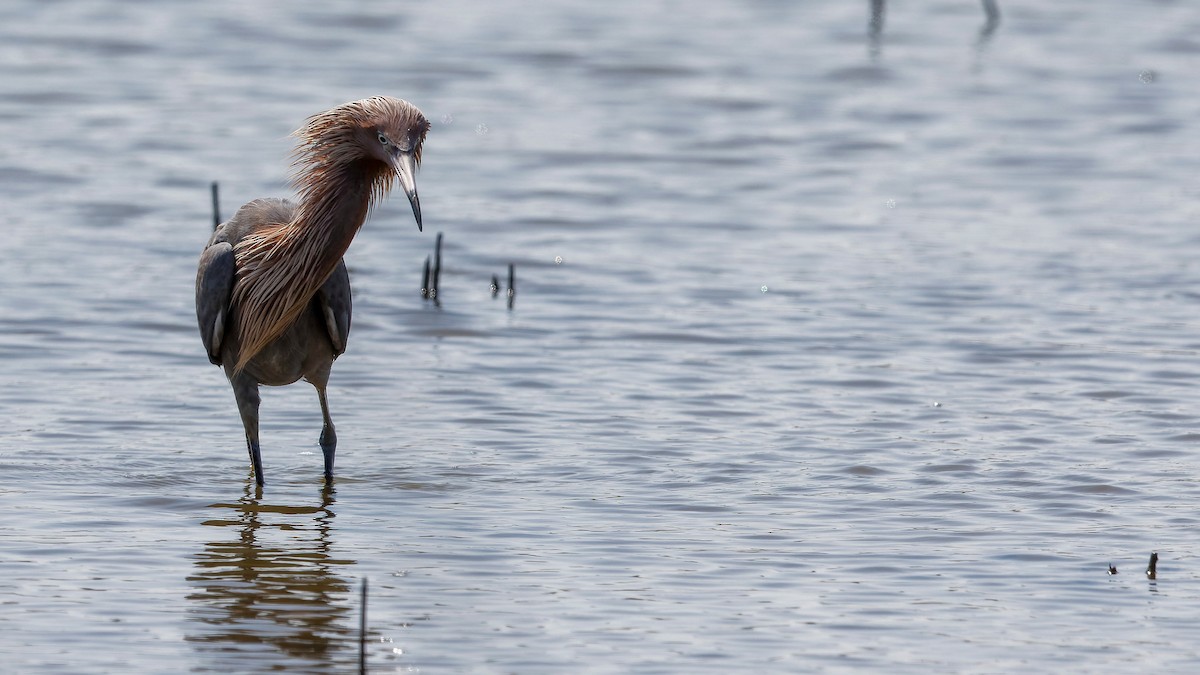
332 212
281 268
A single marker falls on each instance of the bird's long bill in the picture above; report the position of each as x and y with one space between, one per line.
406 169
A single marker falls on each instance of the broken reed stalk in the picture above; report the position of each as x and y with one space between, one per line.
512 285
431 277
437 266
216 207
362 630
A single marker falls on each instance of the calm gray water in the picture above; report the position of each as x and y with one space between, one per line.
828 353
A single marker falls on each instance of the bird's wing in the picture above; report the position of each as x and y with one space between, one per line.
334 300
214 286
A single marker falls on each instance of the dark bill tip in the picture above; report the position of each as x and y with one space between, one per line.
416 206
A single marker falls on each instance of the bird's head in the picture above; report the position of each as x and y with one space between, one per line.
382 130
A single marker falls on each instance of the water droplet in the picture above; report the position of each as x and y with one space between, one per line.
481 129
891 203
558 260
447 119
763 289
1148 76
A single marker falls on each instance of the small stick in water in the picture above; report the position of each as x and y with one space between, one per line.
425 280
216 207
1152 569
875 27
512 285
437 266
362 631
495 286
992 11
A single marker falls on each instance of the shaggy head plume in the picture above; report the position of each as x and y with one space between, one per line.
343 163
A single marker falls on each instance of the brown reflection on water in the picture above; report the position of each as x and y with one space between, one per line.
268 588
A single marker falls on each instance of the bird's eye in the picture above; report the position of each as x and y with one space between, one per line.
383 139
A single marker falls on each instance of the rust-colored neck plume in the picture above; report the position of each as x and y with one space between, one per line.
280 266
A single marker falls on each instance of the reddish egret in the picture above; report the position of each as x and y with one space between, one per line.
272 292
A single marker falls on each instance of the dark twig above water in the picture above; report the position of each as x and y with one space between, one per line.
437 266
875 27
512 285
216 207
431 276
991 10
362 630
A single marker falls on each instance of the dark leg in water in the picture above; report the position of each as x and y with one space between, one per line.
328 434
245 390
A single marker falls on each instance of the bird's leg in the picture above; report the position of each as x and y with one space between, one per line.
245 390
328 436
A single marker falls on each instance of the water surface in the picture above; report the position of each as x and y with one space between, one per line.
828 353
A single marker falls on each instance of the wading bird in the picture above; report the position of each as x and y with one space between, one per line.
272 291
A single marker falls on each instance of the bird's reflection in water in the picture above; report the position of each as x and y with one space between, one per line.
269 592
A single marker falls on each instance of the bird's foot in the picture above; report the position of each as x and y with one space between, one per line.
255 461
329 449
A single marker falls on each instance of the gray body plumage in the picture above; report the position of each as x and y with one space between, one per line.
305 350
